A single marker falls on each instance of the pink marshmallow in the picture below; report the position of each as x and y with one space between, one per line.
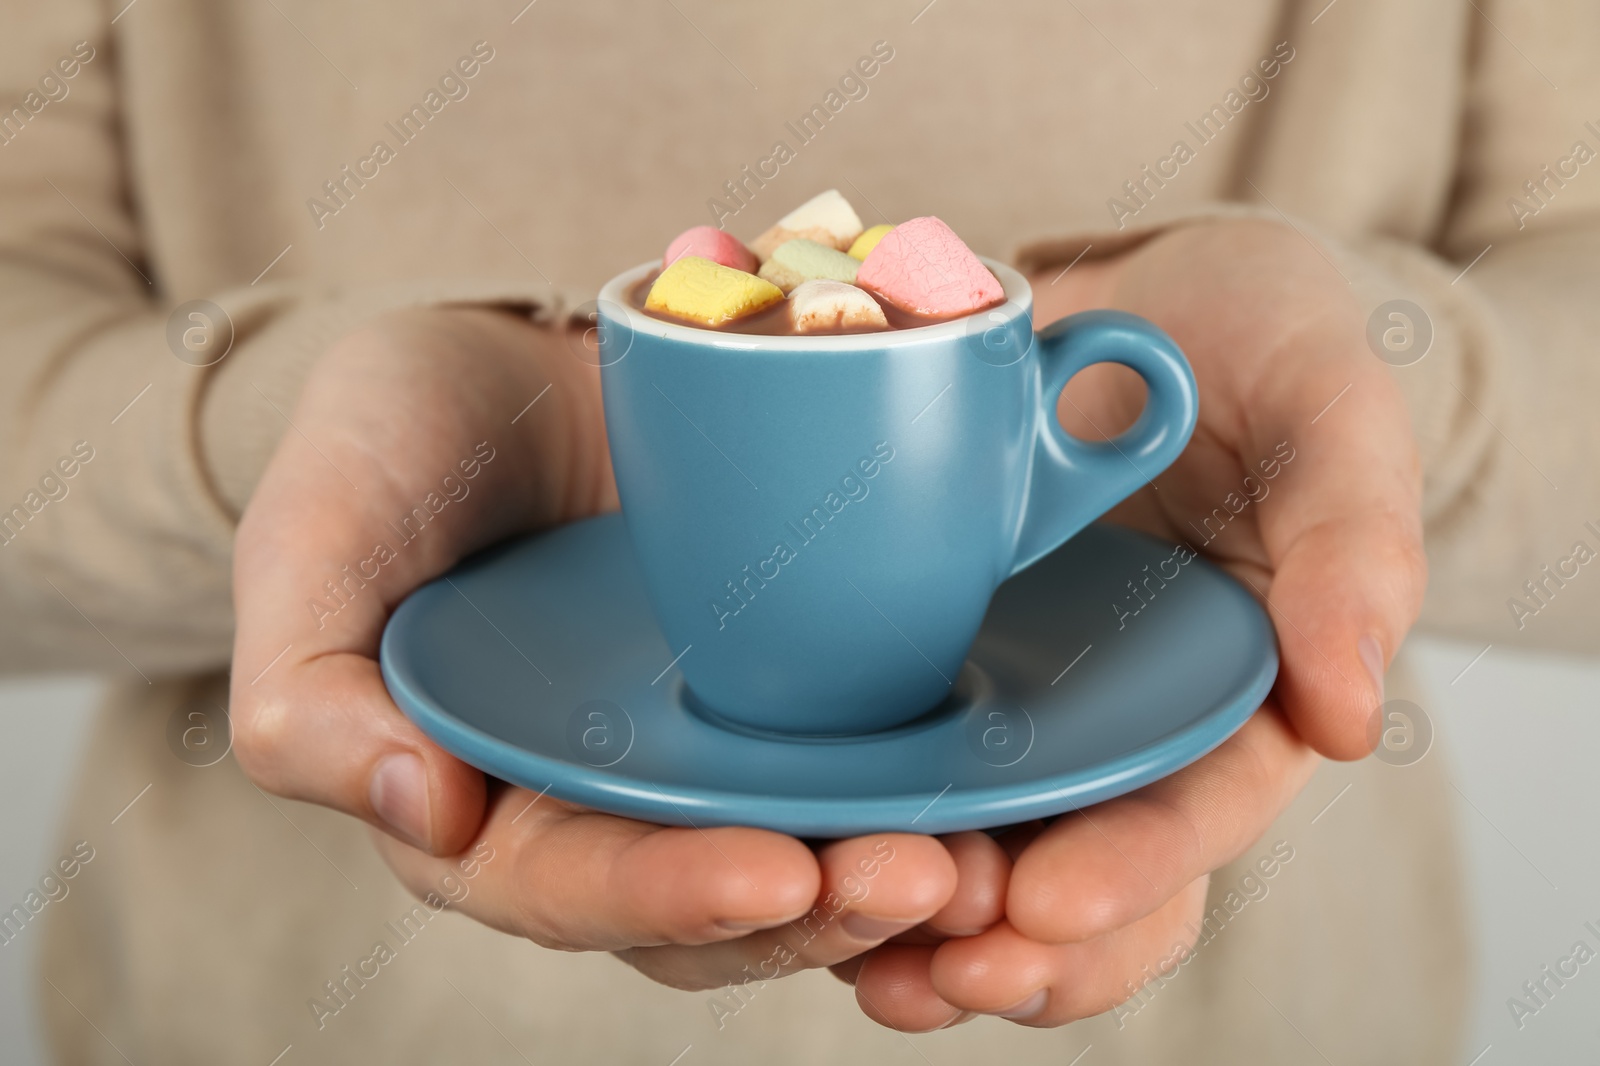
709 242
922 267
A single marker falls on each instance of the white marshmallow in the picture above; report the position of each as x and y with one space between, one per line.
826 218
820 304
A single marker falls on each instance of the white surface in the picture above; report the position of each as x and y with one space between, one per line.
1521 733
43 724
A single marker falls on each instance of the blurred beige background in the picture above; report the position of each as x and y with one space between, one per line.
1520 733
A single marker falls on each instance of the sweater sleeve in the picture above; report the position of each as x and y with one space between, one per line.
134 425
1496 347
1504 400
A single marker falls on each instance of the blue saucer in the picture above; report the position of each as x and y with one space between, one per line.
539 662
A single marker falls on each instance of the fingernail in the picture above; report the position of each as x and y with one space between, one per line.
861 927
1372 658
958 1019
1029 1007
744 927
399 795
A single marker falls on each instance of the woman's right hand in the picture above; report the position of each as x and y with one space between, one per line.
387 414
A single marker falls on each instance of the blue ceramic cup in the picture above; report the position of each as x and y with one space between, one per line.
821 521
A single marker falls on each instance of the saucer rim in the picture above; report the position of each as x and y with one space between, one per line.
833 816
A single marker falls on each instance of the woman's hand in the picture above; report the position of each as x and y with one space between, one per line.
421 410
1332 544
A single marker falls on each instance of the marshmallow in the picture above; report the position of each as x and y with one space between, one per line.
821 304
868 241
709 242
826 218
922 267
801 260
709 294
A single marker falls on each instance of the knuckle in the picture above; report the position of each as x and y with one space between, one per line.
1185 827
1393 545
260 738
531 904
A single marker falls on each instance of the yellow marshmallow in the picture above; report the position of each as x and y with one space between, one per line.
709 294
868 240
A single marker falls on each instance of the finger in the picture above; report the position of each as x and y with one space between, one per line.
1342 600
1293 400
1004 973
575 879
312 718
1106 867
847 970
331 735
894 987
1343 532
324 552
871 889
983 870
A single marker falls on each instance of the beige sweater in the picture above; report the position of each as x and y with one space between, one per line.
304 165
178 163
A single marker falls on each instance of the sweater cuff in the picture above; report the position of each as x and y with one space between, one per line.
278 336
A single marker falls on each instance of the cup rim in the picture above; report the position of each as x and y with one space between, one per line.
613 299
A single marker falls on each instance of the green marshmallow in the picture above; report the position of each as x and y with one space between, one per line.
811 260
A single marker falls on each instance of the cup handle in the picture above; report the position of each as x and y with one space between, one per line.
1075 481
